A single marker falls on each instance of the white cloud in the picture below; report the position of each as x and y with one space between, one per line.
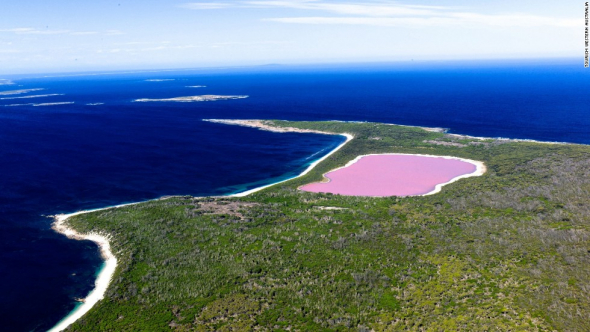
518 20
451 20
389 13
32 31
366 9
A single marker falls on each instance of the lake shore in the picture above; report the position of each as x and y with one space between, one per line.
480 169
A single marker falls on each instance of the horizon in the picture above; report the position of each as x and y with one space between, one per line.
405 64
41 37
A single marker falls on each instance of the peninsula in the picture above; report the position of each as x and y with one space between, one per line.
505 250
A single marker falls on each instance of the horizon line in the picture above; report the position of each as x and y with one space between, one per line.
97 72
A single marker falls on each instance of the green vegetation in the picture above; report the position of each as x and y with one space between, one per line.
509 250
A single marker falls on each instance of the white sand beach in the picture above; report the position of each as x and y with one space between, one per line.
105 275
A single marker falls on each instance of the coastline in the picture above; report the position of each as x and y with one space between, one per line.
263 125
106 273
104 277
480 169
108 270
349 137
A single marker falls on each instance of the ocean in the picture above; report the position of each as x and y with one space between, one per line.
84 143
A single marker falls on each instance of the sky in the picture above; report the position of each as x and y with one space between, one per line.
71 35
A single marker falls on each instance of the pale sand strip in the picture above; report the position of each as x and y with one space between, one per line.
110 262
480 169
311 166
267 126
105 275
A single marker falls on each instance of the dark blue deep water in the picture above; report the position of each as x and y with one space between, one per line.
64 158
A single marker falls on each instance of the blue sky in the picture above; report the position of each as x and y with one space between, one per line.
68 35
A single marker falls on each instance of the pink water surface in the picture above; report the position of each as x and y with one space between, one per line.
392 175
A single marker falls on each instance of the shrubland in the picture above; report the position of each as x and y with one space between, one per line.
509 250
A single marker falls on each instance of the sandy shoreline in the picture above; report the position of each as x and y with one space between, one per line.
104 277
110 261
267 125
264 125
307 170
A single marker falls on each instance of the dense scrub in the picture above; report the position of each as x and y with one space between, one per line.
509 250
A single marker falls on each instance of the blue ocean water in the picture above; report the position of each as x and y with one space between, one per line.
105 149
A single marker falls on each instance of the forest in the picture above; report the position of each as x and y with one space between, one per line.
508 250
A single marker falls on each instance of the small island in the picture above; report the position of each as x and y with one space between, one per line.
18 92
189 99
33 96
507 250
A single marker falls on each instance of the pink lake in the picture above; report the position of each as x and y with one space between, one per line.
393 175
